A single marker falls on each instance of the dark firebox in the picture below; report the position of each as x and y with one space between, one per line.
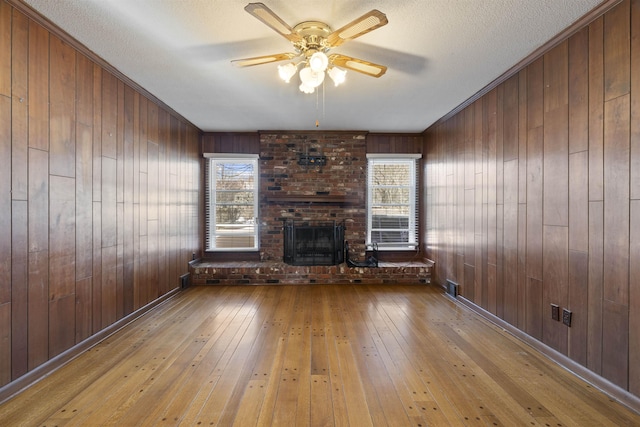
309 243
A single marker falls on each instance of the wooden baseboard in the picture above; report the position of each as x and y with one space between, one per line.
50 366
615 392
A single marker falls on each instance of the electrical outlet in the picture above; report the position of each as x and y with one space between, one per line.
566 317
555 312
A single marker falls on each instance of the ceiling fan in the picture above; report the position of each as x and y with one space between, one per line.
311 41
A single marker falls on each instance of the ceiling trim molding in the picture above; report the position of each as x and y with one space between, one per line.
36 17
589 17
310 132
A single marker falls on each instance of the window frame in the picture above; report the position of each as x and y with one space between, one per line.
212 159
412 160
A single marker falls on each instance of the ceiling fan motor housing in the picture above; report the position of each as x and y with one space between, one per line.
314 36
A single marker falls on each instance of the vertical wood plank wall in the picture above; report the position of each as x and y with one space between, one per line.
533 197
99 196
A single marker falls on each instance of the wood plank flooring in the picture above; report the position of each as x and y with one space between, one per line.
313 355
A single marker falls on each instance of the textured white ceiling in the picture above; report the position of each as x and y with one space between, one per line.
439 53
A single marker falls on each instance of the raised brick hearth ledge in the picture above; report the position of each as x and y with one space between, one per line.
273 272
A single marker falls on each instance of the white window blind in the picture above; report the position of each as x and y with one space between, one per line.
232 203
392 214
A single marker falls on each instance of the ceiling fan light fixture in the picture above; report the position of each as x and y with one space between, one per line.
287 71
306 89
311 41
318 62
338 76
311 78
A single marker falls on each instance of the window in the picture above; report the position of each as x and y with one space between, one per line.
391 201
232 202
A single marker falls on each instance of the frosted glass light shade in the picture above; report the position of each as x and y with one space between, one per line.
318 62
337 75
306 89
310 78
287 71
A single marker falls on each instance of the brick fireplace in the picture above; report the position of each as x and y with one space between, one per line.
308 177
293 189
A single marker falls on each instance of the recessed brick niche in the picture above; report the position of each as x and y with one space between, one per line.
294 188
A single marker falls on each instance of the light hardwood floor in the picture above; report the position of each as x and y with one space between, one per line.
312 355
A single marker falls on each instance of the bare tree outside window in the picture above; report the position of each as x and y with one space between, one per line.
234 193
233 204
391 213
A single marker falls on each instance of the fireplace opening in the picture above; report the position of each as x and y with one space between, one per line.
308 243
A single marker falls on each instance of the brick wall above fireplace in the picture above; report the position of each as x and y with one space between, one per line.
292 188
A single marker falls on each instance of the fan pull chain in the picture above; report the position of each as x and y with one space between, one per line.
317 100
323 118
317 105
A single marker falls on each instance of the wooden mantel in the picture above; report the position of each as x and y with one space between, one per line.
307 198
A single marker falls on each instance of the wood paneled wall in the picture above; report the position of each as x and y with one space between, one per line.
231 142
394 143
99 196
533 197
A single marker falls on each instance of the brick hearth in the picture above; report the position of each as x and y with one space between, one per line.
273 272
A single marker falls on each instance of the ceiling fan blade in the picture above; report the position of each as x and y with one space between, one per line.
266 59
269 18
364 67
366 23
